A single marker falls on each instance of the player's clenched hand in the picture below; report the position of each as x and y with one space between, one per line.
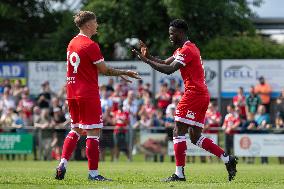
125 78
132 74
143 48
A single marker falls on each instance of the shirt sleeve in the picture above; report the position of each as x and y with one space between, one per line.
95 54
183 56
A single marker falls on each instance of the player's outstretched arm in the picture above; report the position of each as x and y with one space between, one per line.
163 68
105 70
145 52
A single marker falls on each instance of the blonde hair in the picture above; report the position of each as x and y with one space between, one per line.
82 17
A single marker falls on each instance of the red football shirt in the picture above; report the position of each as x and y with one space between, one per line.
192 71
121 119
82 74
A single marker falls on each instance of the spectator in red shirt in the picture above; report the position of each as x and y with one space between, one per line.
212 119
231 123
240 101
120 134
163 97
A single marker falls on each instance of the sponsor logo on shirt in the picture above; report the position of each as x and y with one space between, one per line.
190 114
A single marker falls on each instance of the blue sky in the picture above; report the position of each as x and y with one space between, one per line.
270 8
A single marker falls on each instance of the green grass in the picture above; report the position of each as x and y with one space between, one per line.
39 174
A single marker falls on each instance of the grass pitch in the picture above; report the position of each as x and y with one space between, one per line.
39 174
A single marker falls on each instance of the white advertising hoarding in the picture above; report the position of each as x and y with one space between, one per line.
245 73
193 150
258 145
211 74
41 71
145 71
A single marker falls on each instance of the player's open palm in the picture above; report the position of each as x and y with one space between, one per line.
132 74
144 49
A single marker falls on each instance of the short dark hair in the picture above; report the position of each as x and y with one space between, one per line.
179 24
82 17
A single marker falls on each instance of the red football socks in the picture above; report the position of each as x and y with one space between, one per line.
70 144
180 150
209 146
92 152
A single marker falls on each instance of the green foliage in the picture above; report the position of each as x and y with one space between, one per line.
242 47
32 30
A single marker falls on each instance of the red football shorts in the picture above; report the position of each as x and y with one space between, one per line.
85 113
192 108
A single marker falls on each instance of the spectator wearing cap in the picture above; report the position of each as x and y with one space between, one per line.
263 89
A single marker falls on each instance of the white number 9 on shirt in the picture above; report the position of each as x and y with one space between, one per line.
74 60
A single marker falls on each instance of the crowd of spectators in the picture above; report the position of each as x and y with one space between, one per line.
138 108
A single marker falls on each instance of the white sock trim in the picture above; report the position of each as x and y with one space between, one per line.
64 162
93 173
225 159
179 139
94 137
179 171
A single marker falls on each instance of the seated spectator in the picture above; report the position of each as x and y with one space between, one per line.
230 126
279 109
262 119
249 126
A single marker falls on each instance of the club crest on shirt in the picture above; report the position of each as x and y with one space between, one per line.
190 114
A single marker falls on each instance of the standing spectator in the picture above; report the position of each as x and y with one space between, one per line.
7 101
147 108
212 119
252 101
240 101
109 86
26 105
120 132
116 97
130 106
163 97
264 90
174 104
17 89
45 96
169 125
43 123
230 125
105 100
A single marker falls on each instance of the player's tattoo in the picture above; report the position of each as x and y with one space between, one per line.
113 72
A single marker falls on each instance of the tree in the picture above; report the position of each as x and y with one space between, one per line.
26 26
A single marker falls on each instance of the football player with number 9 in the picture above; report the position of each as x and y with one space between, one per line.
84 61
